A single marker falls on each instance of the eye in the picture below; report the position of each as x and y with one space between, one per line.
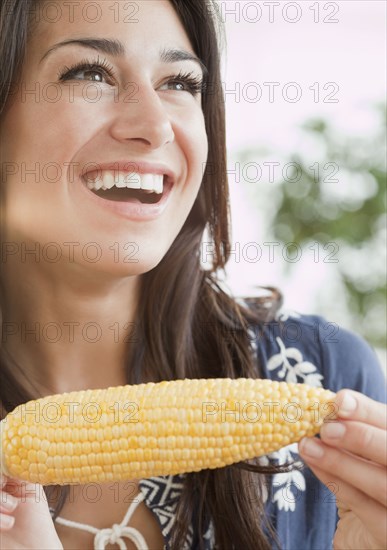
90 74
95 71
185 82
179 86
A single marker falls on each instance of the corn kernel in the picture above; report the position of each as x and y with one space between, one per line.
173 435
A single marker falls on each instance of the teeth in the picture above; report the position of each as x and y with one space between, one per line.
120 181
150 183
108 181
98 184
159 184
133 180
147 182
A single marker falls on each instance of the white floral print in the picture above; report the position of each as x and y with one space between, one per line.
286 487
284 314
300 369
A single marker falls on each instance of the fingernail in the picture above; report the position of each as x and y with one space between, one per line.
348 405
334 430
6 521
310 447
8 502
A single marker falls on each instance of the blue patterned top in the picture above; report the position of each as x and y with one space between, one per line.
291 348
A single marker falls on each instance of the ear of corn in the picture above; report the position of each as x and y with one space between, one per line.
145 430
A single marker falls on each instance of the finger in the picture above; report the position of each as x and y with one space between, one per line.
8 503
7 482
351 533
6 522
3 480
359 438
365 476
27 491
371 513
357 406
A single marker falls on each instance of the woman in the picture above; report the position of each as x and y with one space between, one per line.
105 98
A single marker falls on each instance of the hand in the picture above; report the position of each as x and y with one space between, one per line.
353 455
25 520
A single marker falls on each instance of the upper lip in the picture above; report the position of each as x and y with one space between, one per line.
128 166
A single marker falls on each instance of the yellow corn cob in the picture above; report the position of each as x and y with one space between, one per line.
145 430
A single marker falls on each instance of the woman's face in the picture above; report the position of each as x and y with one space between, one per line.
130 119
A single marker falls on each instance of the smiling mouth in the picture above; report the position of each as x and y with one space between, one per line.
128 187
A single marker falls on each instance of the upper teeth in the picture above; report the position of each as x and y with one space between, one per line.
151 183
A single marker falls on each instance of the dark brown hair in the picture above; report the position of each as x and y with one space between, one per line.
203 330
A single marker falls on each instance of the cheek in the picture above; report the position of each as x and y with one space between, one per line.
43 137
49 132
191 136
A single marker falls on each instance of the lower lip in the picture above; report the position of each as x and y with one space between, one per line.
133 210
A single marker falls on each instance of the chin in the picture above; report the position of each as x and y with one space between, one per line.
129 263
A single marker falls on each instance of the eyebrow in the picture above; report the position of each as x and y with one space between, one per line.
173 55
116 48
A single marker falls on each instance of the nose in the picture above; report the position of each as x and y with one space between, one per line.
142 117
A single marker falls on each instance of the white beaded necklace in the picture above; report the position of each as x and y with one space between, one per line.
115 534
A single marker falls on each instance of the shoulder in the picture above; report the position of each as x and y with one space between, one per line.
297 347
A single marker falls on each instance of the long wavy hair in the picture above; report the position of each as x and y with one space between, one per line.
201 331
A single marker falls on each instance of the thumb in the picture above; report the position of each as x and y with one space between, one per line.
26 491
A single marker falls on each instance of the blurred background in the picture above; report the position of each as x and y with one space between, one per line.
305 86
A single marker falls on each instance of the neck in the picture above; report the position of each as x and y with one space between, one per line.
68 333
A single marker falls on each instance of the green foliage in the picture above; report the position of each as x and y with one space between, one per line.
341 199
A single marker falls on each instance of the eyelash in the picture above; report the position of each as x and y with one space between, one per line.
194 84
102 66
